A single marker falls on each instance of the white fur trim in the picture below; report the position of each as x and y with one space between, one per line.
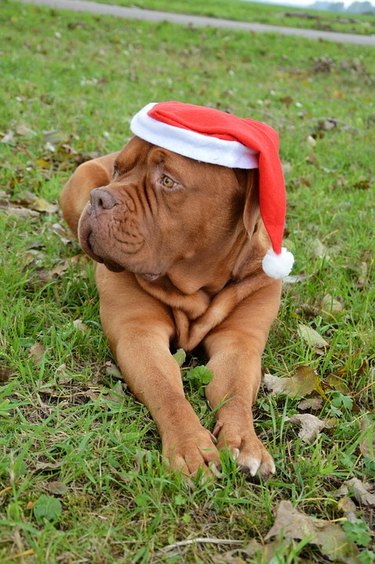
278 266
192 144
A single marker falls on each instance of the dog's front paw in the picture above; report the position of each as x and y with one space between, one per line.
191 450
248 451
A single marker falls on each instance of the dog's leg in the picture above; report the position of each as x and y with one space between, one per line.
139 329
235 348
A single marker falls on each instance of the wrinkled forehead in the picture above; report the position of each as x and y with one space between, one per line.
139 152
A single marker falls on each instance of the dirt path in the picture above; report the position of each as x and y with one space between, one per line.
200 21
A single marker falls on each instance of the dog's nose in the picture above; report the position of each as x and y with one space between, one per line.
102 199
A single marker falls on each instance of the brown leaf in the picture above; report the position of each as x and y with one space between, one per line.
55 137
330 305
287 100
78 324
25 199
313 403
48 465
34 257
348 507
294 524
362 184
42 205
363 277
338 384
360 490
112 371
4 198
24 131
43 163
31 201
367 445
37 352
19 212
319 249
117 392
5 374
57 488
310 426
294 279
8 138
312 337
311 141
62 233
303 383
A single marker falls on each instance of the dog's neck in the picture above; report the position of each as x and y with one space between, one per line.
197 304
231 261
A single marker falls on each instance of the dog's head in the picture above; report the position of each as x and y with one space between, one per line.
161 208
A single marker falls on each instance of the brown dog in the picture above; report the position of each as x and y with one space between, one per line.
180 245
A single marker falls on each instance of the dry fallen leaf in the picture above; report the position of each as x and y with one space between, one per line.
33 257
78 324
313 403
310 426
367 445
311 141
359 489
338 384
5 374
8 138
19 212
4 197
31 201
24 131
312 337
57 488
48 465
37 352
62 233
302 384
42 205
294 524
59 269
294 279
363 277
348 507
330 305
319 249
112 371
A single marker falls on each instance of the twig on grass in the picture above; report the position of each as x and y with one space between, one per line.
210 540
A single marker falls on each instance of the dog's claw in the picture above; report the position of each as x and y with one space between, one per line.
250 464
235 453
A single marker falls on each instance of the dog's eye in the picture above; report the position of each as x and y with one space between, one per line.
167 182
115 169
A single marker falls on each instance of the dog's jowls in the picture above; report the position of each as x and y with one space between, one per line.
179 245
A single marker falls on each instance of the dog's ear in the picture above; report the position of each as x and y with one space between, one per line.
249 181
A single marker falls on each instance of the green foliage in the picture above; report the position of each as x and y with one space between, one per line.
199 375
357 531
47 508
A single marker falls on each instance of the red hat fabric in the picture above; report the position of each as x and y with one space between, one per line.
216 137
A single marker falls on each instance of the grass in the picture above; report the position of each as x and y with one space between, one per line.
81 478
243 10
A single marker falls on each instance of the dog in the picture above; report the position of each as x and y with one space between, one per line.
178 245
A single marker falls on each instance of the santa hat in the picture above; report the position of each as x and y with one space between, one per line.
211 136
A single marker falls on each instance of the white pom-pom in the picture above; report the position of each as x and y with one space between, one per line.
278 266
